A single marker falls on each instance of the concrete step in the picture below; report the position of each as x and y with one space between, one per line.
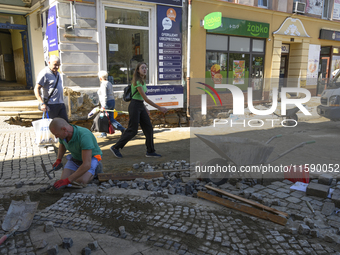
17 98
23 109
15 106
16 92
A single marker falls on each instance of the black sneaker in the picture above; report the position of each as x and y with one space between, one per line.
116 152
152 155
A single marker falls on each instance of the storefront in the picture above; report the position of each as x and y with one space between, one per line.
150 32
255 48
329 58
94 35
235 54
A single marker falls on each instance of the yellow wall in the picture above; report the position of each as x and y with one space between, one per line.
299 49
36 44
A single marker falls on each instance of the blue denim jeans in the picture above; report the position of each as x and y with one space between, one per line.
110 105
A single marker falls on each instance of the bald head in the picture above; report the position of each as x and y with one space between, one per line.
61 129
58 123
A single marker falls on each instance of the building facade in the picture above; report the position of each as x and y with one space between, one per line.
261 45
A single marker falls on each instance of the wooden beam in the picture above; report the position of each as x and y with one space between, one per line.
261 206
242 208
128 176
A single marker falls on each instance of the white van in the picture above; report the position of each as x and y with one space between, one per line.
330 99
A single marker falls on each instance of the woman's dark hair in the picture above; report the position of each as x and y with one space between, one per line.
136 75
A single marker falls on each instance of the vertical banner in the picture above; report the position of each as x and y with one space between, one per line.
313 64
52 32
169 42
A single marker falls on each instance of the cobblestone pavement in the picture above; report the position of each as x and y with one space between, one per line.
181 224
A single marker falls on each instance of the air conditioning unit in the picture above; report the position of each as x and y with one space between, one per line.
299 7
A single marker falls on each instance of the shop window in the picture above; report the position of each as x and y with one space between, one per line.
262 3
325 50
126 17
335 50
325 9
242 64
258 45
127 42
239 44
216 67
217 42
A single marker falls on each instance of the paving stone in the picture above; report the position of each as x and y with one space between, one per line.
325 179
67 243
86 251
93 245
52 250
336 197
303 229
328 208
48 226
317 190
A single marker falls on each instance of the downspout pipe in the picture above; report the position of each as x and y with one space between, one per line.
188 57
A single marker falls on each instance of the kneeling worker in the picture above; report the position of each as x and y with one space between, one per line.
84 149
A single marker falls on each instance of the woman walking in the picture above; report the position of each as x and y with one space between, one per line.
107 100
138 114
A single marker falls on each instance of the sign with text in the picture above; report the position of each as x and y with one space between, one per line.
242 27
51 30
169 43
213 20
313 64
169 96
329 35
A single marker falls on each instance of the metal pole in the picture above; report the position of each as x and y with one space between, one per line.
188 57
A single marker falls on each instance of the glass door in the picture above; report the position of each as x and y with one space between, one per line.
283 71
257 71
323 74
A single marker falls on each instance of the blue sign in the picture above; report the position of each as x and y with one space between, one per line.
166 2
51 29
169 43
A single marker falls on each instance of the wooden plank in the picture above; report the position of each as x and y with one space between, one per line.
242 208
261 206
128 176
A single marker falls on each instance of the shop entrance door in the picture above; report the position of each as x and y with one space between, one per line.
283 71
323 75
257 76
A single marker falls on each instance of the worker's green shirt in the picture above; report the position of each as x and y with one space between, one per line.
82 139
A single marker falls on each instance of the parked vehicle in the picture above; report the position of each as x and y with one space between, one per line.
330 99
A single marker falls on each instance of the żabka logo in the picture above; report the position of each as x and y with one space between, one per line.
238 99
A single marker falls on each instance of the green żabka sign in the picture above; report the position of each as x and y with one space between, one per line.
242 27
213 20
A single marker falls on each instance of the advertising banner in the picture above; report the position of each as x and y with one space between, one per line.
238 71
170 96
50 41
169 43
313 63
